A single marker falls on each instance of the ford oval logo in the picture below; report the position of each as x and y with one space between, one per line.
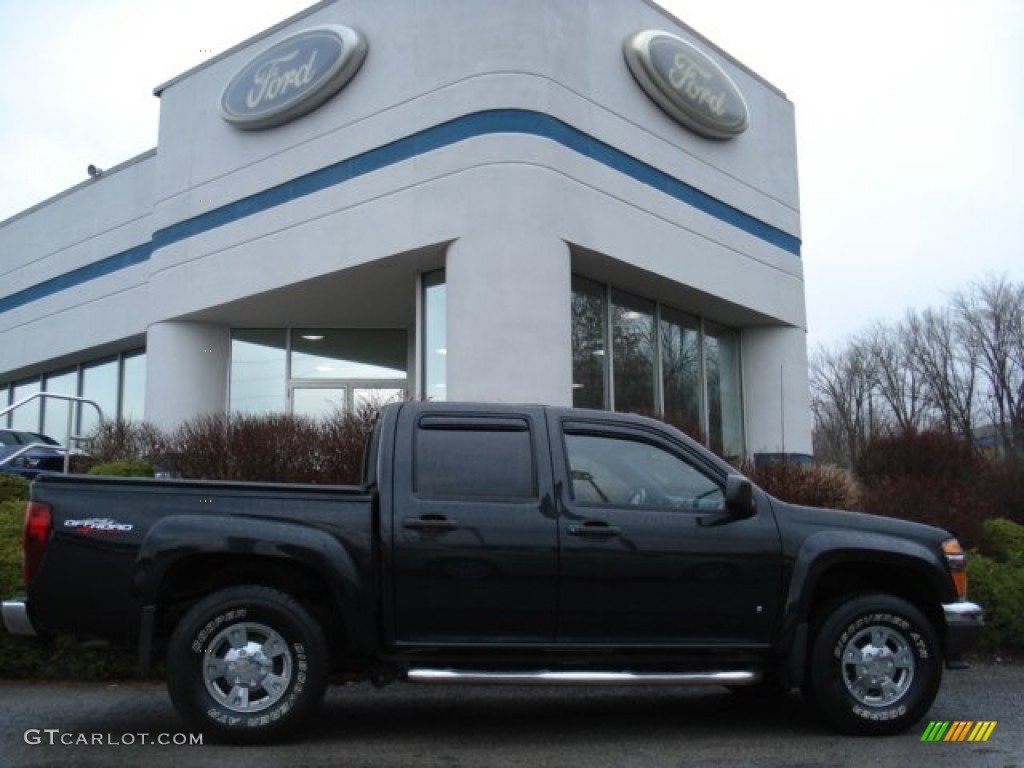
687 84
293 77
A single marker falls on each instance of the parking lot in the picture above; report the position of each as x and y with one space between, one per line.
77 724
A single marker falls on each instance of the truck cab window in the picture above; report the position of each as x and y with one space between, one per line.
461 461
624 472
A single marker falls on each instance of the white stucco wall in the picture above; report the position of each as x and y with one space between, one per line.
512 203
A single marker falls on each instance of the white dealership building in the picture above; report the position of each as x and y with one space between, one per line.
577 202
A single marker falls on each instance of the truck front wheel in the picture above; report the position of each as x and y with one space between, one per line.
246 663
875 665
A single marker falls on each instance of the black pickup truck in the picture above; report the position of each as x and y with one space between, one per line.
498 544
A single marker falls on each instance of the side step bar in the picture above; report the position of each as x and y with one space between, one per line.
559 677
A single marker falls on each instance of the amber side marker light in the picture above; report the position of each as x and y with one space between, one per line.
957 565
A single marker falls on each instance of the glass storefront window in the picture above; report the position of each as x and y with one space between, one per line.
317 402
725 399
375 397
348 354
632 353
681 371
259 371
663 362
99 384
56 412
27 416
589 344
435 336
133 387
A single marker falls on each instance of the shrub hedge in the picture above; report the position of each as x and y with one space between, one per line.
126 468
997 583
13 487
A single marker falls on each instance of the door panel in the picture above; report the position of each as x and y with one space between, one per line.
474 530
638 565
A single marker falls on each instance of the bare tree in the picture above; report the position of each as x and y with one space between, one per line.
949 368
896 379
842 399
947 364
991 315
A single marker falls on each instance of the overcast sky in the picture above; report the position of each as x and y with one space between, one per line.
909 122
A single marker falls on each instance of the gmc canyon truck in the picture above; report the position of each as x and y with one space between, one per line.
498 544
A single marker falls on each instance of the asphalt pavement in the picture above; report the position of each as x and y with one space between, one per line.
407 726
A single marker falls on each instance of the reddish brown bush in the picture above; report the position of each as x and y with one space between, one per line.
930 477
343 437
271 447
918 454
127 440
814 485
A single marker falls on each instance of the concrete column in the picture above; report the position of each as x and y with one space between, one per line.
777 393
186 371
509 295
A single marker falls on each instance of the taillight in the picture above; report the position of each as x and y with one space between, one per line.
35 537
957 561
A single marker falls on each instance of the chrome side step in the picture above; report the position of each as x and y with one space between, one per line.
559 677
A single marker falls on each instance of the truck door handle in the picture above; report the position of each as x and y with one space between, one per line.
430 523
595 529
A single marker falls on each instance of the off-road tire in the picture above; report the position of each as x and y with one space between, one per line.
247 664
875 665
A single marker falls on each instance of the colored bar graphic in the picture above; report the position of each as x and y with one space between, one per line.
982 731
959 730
935 731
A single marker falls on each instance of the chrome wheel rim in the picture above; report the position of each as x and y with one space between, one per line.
248 667
878 666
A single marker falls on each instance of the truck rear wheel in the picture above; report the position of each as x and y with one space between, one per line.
246 663
875 665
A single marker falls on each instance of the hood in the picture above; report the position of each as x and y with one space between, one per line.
818 518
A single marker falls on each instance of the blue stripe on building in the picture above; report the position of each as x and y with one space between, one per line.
436 137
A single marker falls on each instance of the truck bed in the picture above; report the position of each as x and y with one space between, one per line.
107 527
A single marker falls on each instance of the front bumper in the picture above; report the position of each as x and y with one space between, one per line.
16 619
964 623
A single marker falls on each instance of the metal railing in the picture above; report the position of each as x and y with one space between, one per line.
74 411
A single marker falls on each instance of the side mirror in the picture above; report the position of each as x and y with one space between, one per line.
739 497
739 503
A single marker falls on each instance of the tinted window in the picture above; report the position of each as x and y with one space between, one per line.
625 472
474 459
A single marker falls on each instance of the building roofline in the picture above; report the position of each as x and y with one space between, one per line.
716 48
325 3
81 185
244 44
